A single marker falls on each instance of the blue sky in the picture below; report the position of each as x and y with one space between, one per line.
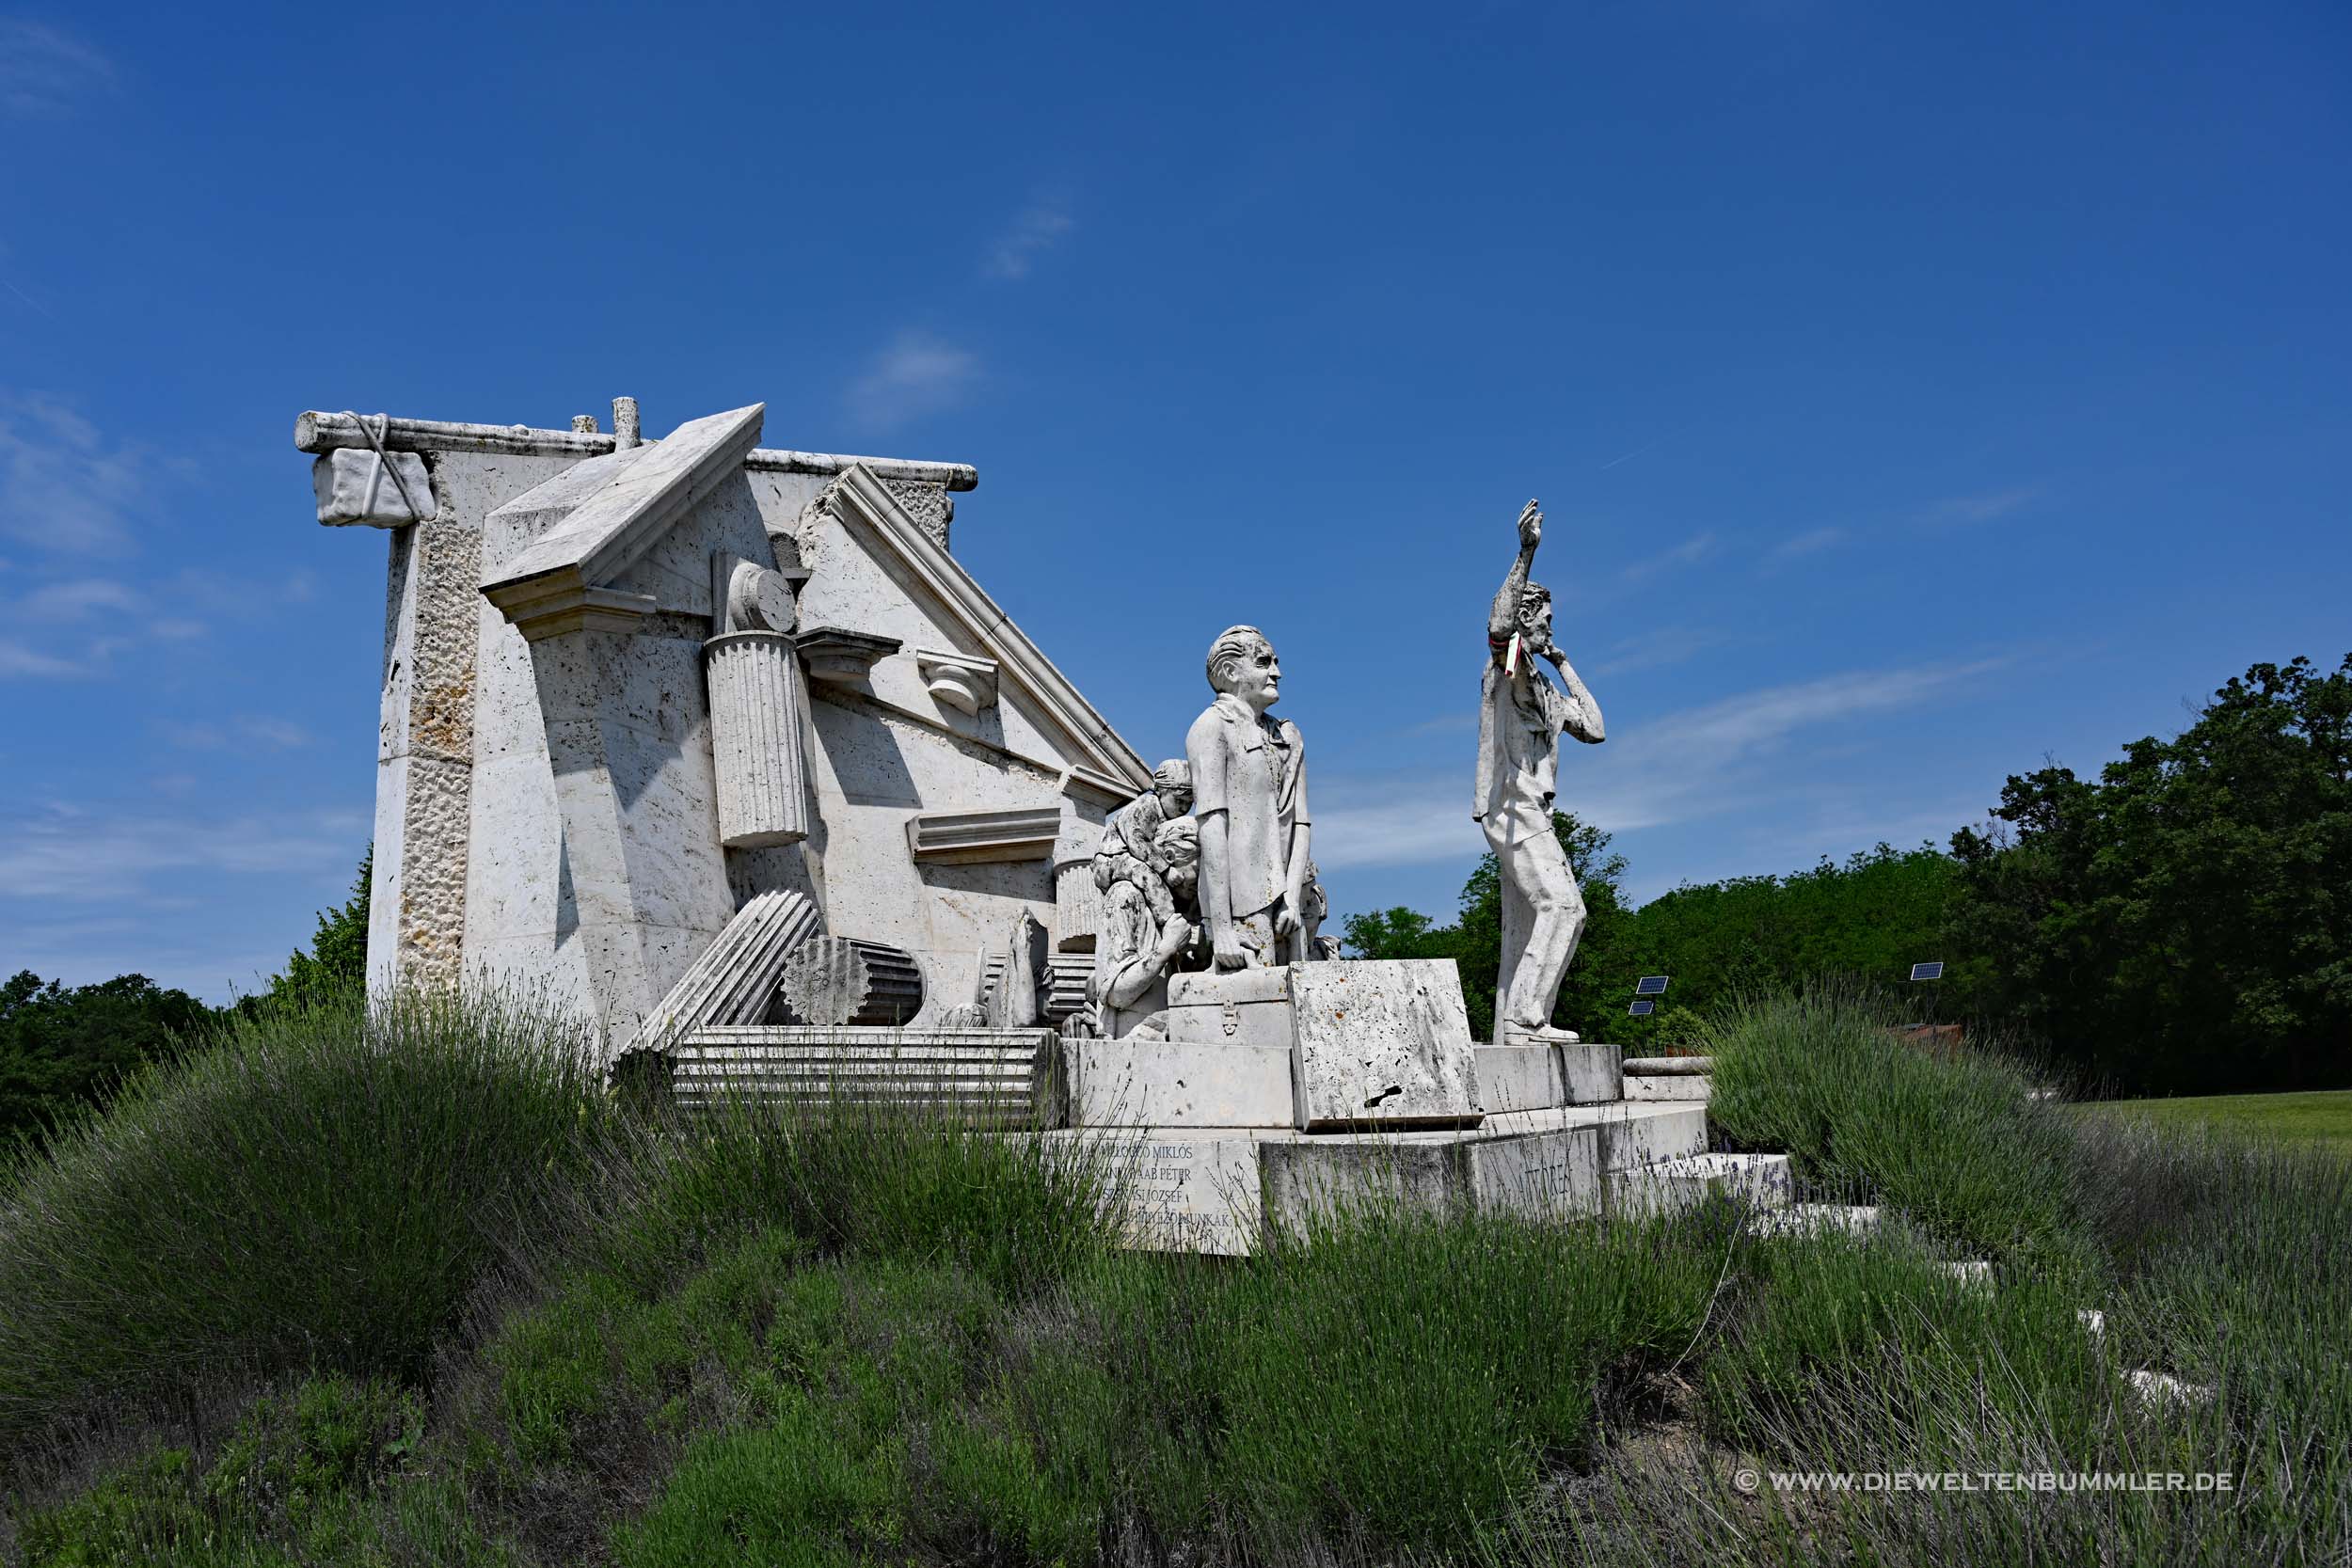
1914 392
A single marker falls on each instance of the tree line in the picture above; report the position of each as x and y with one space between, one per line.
2180 924
64 1048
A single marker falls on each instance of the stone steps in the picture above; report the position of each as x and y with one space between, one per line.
1816 1219
1761 1181
1207 1189
1687 1078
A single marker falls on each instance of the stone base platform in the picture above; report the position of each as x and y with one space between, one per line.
995 1077
1538 1077
1218 1190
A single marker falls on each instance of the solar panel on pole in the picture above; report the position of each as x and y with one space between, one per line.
1927 971
1651 985
1640 1010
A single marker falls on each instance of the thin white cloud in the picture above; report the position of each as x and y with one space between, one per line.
1655 649
19 662
1696 763
63 486
1688 553
1808 543
1986 507
278 732
1039 226
44 71
917 375
74 855
77 599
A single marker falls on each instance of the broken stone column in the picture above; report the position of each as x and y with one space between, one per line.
757 706
842 980
735 979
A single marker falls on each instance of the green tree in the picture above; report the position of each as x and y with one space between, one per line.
62 1047
1874 916
2184 922
1871 916
337 962
1474 941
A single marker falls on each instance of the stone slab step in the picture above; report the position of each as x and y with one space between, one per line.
1760 1181
1217 1189
1671 1067
1649 1087
1816 1219
1542 1077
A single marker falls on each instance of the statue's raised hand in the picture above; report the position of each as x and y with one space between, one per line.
1530 526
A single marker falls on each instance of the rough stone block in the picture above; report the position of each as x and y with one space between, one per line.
1519 1077
1548 1175
1249 1006
1680 1086
1176 1083
1311 1182
1382 1043
1644 1138
1590 1072
1760 1182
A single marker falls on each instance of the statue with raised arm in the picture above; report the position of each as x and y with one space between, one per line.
1521 716
1249 793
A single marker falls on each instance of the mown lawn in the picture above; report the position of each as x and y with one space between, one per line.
2322 1117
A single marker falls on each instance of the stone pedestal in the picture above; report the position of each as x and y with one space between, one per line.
1175 1084
1373 1044
1534 1077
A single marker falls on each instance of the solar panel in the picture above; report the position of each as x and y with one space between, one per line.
1640 1010
1651 985
1926 971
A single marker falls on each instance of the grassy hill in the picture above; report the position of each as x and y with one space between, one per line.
2322 1117
410 1287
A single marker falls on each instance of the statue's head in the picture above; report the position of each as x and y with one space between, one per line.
1178 844
1536 616
1242 662
1171 781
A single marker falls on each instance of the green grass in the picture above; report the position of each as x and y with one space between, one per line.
315 1299
2322 1117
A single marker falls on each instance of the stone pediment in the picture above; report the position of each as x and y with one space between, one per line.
868 508
614 509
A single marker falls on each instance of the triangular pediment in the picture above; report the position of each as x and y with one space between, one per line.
883 524
614 510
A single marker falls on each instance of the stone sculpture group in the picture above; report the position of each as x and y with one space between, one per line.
1210 869
722 746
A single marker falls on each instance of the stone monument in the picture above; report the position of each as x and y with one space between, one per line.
1520 719
718 745
656 715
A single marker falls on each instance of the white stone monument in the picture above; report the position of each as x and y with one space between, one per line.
631 686
721 746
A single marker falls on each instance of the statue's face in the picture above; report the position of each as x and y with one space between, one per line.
1175 798
1183 873
1257 677
1535 620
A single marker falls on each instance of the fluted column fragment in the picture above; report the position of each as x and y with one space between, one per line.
758 699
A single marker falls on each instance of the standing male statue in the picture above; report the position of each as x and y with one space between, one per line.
1249 793
1522 715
